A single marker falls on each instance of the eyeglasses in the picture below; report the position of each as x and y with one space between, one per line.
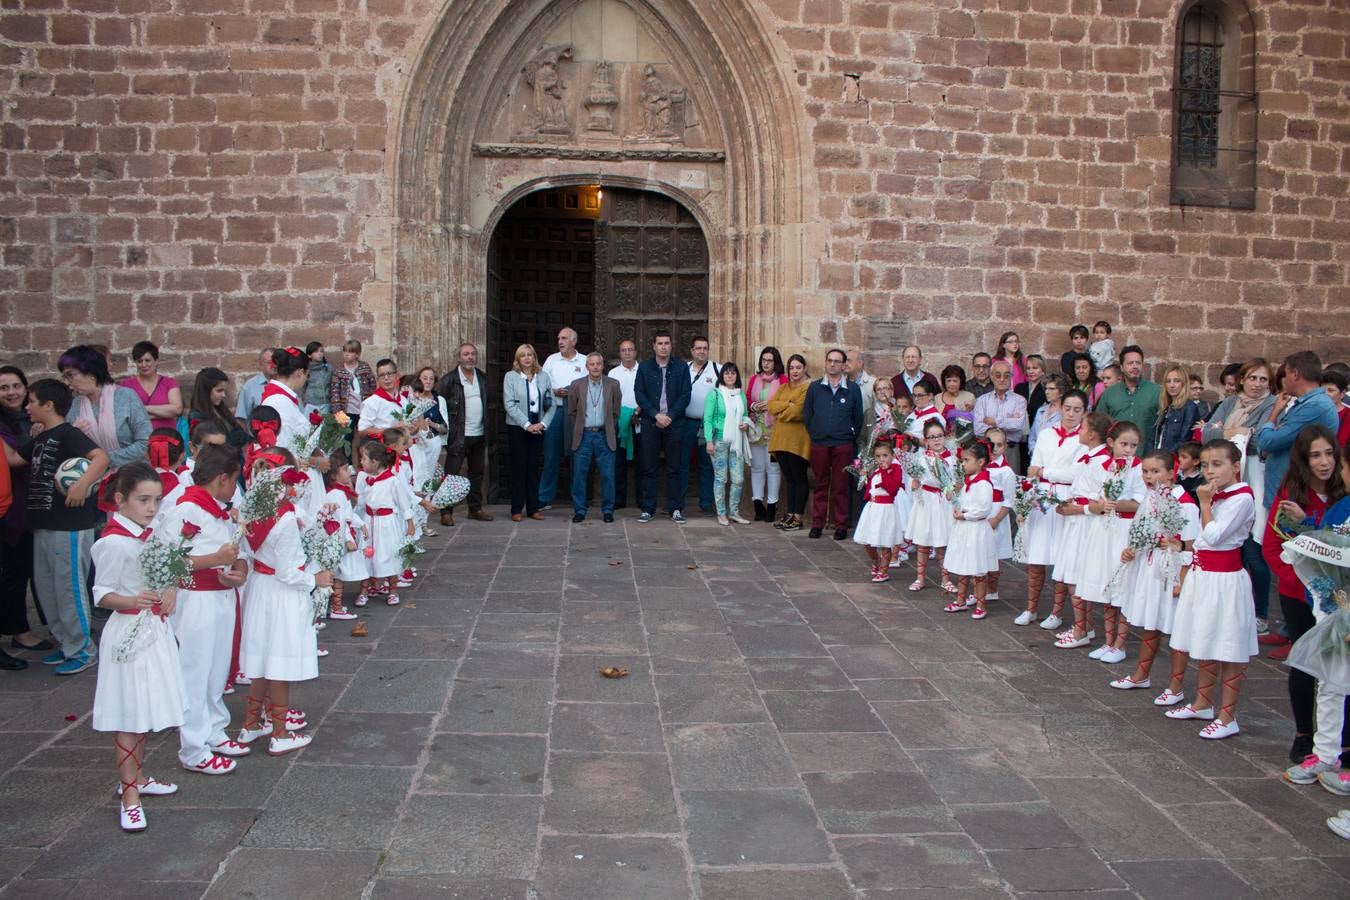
387 374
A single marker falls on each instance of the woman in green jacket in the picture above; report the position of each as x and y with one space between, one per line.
725 422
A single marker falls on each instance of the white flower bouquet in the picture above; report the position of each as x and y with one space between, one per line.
164 566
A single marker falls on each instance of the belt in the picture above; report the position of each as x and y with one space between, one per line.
382 511
207 580
1217 560
1081 501
998 496
930 489
263 568
594 428
154 608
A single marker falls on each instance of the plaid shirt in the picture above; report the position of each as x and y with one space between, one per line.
341 386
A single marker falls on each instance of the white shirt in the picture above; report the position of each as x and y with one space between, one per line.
294 423
473 405
1231 520
377 412
562 372
626 378
117 562
701 384
353 396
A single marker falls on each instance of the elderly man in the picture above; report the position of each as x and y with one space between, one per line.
1133 398
1003 409
593 404
562 368
250 395
833 415
465 391
856 370
911 358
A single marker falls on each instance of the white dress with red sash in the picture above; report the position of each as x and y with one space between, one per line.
294 422
144 693
1056 450
1106 537
354 566
971 548
1086 484
880 524
930 513
381 500
1215 618
277 640
1004 481
1144 598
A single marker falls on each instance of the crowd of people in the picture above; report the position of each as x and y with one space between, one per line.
960 473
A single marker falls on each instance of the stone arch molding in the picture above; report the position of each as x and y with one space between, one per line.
723 134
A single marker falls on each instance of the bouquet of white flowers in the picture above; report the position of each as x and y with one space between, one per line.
324 548
1171 520
163 566
327 433
1114 487
451 490
1030 496
413 409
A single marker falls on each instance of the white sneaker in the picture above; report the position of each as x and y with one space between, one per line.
1112 656
1340 824
153 788
739 520
1097 654
216 765
1186 712
322 653
241 678
1025 618
279 746
903 557
1128 683
993 596
133 818
249 735
1168 698
230 748
1217 731
1051 622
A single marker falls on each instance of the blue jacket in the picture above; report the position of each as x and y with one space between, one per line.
1274 441
1175 425
833 418
647 388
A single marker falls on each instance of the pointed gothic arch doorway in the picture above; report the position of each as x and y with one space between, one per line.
612 263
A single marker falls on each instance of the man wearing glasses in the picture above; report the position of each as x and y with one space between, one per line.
1003 409
833 414
378 410
980 383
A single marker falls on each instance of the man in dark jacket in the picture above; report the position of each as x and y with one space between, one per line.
833 416
662 389
465 391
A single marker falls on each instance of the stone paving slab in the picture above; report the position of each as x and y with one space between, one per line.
787 731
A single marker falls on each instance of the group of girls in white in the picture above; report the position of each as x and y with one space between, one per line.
245 615
1190 585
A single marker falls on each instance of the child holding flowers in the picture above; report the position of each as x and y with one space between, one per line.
880 527
1107 535
930 515
1089 474
342 496
143 692
1004 481
971 552
388 519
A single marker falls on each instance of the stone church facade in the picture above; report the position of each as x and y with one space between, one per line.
221 175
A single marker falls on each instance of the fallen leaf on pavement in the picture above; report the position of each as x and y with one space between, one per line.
614 672
359 630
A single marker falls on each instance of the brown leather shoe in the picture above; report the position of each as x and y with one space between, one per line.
516 517
479 516
537 515
447 517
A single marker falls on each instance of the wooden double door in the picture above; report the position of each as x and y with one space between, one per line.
611 263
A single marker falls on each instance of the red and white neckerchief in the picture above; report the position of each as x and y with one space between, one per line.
273 389
346 491
1182 496
1107 464
257 531
116 528
384 395
998 463
926 412
982 475
1065 435
201 497
1091 455
383 476
1234 491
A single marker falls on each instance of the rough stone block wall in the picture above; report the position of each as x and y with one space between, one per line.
216 175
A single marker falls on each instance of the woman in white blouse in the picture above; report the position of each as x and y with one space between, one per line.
528 399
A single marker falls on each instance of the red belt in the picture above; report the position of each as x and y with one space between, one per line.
382 511
998 496
1217 560
263 568
930 489
154 608
207 580
1125 515
1081 501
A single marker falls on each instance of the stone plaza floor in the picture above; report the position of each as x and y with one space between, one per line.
787 730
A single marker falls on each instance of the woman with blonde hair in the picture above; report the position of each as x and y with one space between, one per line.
528 398
1178 414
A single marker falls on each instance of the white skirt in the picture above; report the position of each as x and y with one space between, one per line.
387 535
1143 598
1069 559
971 550
1104 538
354 566
930 519
1215 619
277 640
904 505
1044 532
879 525
1003 539
146 693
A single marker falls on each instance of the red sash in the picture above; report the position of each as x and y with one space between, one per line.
1217 560
207 580
382 511
263 568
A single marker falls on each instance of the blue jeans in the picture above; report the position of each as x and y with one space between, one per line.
727 467
691 435
593 448
555 448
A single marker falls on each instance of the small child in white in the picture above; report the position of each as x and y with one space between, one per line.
930 515
879 527
143 692
971 552
1004 481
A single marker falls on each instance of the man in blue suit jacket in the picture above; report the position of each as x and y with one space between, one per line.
662 389
1309 405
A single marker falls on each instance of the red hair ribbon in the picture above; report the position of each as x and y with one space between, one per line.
295 352
266 435
157 449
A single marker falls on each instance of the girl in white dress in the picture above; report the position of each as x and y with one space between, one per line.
282 394
144 693
971 552
382 501
1215 621
930 514
924 412
277 644
417 505
1004 481
879 526
1051 470
1147 601
1085 487
1106 537
341 497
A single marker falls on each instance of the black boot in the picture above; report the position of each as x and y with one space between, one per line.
761 514
771 512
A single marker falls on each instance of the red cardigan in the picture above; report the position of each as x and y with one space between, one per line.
892 479
1290 586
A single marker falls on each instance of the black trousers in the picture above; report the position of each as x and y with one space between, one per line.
526 452
16 577
796 481
472 451
621 467
1298 618
653 442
